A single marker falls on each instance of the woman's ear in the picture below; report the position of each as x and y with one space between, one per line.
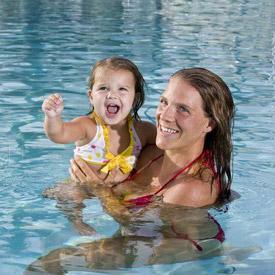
211 125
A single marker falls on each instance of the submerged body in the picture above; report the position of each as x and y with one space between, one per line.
149 239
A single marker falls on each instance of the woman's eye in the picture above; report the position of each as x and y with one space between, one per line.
183 109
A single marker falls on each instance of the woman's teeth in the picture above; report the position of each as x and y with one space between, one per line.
168 130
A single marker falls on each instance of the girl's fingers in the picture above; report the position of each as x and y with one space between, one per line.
49 104
54 103
56 97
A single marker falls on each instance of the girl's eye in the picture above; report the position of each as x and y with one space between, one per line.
123 89
103 88
162 101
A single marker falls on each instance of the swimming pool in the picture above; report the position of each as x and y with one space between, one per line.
50 45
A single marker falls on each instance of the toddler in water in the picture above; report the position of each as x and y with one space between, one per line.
112 136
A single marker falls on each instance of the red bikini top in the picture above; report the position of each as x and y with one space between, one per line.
207 160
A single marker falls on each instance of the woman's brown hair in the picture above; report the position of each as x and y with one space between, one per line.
219 106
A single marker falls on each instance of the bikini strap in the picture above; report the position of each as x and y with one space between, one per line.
137 172
180 172
185 236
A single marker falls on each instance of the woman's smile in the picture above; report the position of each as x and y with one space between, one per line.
168 130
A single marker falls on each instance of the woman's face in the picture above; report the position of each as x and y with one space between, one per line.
181 121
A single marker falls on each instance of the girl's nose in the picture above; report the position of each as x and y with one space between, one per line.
112 94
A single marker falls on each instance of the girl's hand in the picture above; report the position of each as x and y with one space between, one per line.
53 105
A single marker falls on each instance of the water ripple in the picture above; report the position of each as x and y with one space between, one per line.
50 46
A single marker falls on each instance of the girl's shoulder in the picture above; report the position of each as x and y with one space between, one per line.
85 119
88 124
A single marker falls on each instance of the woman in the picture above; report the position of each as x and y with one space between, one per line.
191 164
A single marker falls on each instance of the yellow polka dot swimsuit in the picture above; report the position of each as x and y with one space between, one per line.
97 151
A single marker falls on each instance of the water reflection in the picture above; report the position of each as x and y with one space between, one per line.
160 235
50 45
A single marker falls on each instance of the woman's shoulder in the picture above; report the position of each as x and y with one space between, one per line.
148 154
146 131
192 191
141 124
142 127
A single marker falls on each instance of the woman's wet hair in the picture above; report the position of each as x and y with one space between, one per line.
218 105
121 63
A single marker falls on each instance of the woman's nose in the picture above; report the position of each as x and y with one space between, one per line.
168 113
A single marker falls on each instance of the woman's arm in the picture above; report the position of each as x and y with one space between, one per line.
112 204
81 172
69 197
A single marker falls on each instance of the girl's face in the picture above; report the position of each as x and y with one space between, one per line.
181 121
113 95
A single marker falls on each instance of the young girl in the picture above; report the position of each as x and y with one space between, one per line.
112 136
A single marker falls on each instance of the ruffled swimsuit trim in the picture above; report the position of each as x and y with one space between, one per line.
98 152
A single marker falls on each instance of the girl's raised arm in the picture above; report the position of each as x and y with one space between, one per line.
56 129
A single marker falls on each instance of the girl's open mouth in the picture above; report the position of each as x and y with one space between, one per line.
112 108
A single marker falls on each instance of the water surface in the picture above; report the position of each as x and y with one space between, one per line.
50 46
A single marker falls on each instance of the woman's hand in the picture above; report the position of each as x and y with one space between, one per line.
81 172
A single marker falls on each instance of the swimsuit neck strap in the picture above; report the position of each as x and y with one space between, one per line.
129 150
182 170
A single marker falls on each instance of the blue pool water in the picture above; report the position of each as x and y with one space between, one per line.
49 46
